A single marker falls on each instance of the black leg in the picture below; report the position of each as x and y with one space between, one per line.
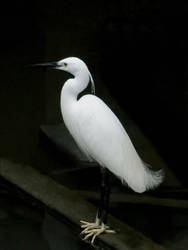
105 194
92 230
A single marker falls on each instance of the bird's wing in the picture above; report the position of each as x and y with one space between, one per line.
103 133
103 138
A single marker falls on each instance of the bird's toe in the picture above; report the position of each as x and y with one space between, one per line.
92 230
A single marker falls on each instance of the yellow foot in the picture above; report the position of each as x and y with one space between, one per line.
92 230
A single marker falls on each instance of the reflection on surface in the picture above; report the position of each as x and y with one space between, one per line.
24 228
59 236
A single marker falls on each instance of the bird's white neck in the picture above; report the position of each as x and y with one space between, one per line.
69 94
81 81
70 91
74 86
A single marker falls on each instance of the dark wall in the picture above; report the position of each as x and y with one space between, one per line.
145 47
21 91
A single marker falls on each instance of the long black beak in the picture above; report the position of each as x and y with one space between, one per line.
53 65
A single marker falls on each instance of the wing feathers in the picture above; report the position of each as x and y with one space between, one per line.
101 136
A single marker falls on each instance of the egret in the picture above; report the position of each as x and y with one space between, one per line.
102 138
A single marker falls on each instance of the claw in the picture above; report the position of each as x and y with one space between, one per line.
94 236
92 230
87 236
87 229
83 222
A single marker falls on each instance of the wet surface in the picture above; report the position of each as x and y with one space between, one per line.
25 227
168 227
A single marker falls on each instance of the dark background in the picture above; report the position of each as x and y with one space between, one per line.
139 49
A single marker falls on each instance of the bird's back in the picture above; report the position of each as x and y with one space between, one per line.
101 136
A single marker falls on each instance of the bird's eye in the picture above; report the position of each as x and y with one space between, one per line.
65 64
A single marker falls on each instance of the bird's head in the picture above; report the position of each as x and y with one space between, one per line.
72 65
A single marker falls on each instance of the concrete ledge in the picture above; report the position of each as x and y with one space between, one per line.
139 199
71 206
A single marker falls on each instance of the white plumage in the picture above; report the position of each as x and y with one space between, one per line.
99 133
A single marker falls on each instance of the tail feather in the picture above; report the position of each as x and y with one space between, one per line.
144 179
154 178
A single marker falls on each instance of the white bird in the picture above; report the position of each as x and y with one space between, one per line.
101 136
